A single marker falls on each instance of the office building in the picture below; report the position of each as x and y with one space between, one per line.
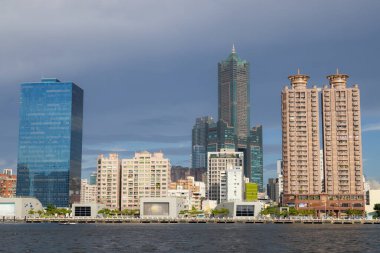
108 181
256 156
199 142
144 175
218 162
234 94
50 142
220 136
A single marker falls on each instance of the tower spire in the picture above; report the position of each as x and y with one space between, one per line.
298 71
233 48
337 71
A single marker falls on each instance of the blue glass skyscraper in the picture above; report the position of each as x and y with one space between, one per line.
50 142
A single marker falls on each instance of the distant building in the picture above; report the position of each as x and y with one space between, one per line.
280 181
199 142
251 191
50 142
256 156
232 184
220 136
272 189
88 192
182 193
218 162
8 171
7 184
195 191
93 178
108 181
145 175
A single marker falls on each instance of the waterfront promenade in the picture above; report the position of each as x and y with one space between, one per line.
126 220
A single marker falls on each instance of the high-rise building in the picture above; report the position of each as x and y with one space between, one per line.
234 94
108 181
220 136
234 113
199 142
219 162
342 137
144 175
272 189
256 156
88 192
50 142
300 138
340 188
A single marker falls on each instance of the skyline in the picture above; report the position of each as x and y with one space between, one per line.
116 69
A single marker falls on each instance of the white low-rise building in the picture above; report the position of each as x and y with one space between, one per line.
164 207
89 210
19 207
242 209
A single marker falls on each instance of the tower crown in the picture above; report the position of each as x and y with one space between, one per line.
338 80
298 81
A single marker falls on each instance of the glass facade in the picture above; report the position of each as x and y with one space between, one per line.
199 141
256 156
50 142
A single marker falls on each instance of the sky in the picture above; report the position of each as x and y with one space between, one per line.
149 68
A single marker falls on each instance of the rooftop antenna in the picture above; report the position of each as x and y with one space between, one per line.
233 48
337 71
298 71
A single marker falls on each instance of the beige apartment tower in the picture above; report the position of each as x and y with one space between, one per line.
300 137
144 175
108 181
342 137
338 186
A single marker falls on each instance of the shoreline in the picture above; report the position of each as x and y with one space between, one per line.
185 221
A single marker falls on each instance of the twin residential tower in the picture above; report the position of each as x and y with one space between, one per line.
339 185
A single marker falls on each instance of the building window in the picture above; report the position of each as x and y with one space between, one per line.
245 210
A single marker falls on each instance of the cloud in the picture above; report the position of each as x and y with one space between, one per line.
374 184
371 127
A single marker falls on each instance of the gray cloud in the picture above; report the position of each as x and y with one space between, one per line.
149 68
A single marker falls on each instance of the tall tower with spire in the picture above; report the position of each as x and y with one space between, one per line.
233 94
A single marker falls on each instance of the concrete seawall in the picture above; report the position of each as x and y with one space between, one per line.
188 220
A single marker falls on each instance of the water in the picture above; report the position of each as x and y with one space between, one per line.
189 238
